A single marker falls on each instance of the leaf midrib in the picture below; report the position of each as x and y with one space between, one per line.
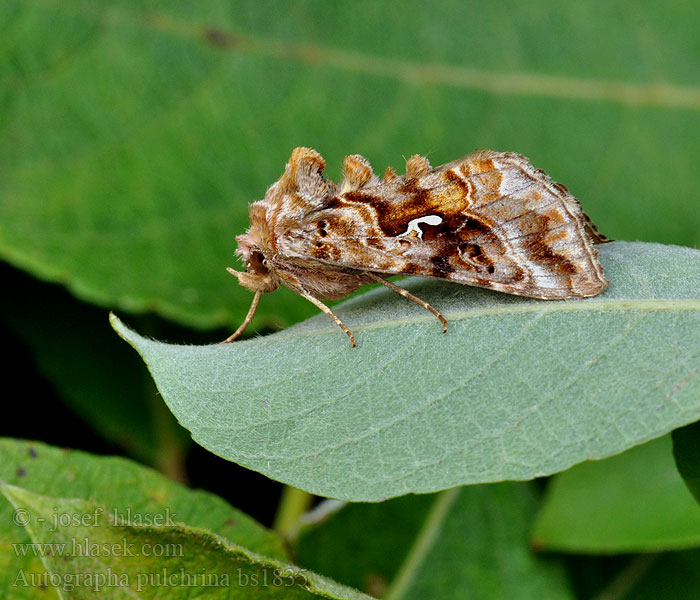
501 310
495 83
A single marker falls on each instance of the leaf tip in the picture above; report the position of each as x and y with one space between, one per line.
128 335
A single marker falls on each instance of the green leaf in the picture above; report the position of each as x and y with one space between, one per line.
686 451
134 136
468 542
653 576
101 381
473 544
518 388
120 485
634 502
88 551
376 535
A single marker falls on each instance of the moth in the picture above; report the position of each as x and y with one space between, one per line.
489 219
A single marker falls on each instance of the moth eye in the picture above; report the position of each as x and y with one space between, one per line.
257 263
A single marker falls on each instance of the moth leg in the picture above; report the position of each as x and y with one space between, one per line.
248 318
328 311
410 296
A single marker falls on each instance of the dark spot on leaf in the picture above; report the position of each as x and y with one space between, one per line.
33 453
21 472
217 37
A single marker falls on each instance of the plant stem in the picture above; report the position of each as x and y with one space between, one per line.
425 540
628 577
293 504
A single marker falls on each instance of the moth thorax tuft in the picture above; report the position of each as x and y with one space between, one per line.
417 166
304 171
357 172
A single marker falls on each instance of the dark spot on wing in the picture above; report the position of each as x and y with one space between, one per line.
441 266
394 216
333 202
562 188
542 252
452 177
320 251
471 250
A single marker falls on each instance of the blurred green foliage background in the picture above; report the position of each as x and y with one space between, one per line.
133 136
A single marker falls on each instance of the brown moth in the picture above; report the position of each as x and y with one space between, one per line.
490 220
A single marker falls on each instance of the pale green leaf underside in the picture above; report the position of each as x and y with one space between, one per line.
518 388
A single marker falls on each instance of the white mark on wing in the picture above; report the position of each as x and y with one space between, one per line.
427 220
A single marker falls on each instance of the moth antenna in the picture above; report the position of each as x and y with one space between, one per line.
417 166
248 318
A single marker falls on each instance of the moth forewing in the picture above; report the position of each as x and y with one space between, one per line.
490 220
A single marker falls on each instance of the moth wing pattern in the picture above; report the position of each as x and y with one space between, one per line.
490 220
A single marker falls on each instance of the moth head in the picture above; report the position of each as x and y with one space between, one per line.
257 277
